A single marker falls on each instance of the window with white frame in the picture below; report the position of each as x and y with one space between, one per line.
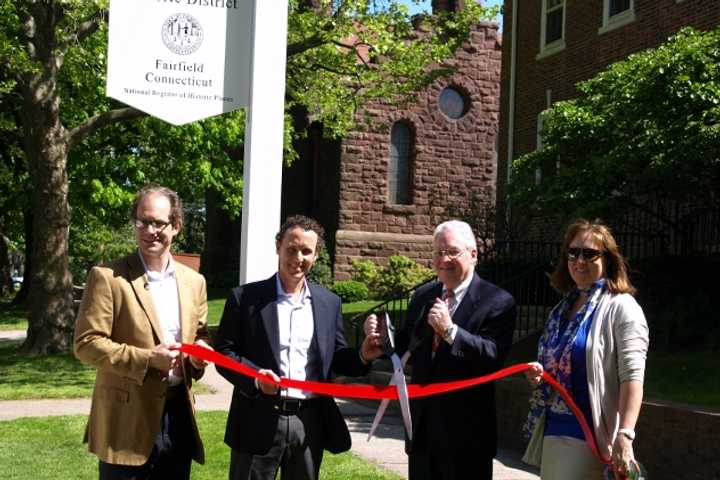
547 168
552 27
617 13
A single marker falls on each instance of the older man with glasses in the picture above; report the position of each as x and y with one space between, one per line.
134 314
458 327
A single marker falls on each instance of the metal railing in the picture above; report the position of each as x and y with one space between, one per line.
519 267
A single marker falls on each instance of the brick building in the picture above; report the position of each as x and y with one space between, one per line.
381 190
550 45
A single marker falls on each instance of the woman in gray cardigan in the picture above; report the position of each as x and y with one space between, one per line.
595 343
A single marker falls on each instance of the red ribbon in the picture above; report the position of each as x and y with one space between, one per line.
379 392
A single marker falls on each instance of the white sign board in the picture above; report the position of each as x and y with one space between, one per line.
180 60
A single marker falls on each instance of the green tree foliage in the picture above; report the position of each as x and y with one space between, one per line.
76 158
647 127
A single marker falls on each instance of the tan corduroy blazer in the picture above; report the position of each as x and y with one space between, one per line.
117 327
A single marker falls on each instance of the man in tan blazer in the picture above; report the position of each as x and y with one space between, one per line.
134 314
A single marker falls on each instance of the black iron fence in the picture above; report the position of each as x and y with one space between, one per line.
668 228
522 267
519 267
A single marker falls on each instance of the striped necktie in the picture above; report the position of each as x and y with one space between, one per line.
448 296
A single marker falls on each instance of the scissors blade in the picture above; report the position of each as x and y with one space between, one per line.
401 387
384 403
378 416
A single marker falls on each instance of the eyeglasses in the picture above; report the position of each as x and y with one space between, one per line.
157 225
451 253
589 254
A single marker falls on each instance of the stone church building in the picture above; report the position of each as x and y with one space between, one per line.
381 190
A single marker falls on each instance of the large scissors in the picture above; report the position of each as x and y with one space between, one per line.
398 379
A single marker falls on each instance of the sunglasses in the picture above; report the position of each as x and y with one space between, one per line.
589 254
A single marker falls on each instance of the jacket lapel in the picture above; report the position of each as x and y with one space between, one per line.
185 304
322 331
270 318
139 281
423 332
468 304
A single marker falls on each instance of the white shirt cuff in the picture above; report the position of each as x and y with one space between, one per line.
450 337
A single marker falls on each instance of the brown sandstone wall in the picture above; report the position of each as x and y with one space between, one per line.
454 161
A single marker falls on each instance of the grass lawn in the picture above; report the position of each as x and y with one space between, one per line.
53 376
12 317
215 310
684 377
216 303
51 448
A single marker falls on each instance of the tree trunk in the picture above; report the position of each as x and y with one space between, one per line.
52 319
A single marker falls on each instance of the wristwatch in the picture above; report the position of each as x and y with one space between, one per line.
628 432
447 333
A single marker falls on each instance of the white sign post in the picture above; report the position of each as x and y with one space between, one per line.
186 60
264 142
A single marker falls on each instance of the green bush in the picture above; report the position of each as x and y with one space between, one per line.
321 271
350 290
365 272
399 275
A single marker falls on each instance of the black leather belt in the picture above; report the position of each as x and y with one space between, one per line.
291 406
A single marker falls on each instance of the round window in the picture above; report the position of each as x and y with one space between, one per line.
453 103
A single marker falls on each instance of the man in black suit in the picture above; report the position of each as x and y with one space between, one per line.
287 326
457 328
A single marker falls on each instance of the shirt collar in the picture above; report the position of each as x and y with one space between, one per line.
153 276
460 290
282 295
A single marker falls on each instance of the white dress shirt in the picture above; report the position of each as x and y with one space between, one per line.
296 328
164 292
459 292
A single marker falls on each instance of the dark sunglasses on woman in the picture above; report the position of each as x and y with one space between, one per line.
589 254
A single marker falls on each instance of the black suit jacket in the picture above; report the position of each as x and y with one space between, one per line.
463 420
249 333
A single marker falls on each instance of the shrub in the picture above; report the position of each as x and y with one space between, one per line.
350 290
321 271
399 275
365 272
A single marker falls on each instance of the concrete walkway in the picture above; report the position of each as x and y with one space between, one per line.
386 449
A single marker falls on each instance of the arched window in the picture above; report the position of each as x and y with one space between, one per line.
399 168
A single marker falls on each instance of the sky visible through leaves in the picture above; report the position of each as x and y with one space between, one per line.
424 6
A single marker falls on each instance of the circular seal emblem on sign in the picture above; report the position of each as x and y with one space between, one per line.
182 34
